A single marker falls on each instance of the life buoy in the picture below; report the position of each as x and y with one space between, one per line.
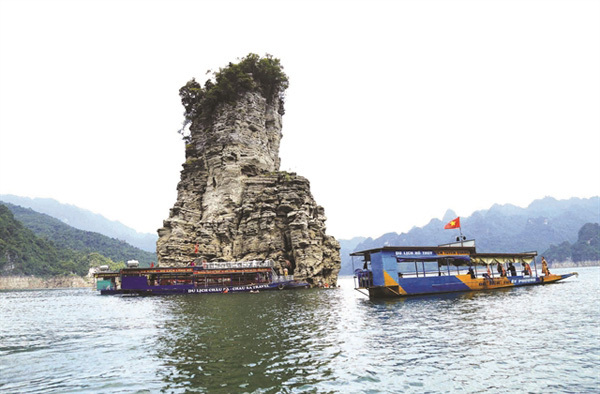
280 286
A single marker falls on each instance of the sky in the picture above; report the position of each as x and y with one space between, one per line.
396 112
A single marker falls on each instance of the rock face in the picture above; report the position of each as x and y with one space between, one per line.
234 204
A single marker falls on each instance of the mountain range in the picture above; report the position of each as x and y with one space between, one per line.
33 243
501 228
85 220
546 225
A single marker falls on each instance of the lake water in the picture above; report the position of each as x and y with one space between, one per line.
537 339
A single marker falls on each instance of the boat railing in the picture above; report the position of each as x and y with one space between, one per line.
239 264
481 273
282 278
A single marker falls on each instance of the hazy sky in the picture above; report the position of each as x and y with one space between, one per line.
396 110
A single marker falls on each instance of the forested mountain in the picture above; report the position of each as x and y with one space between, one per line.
67 237
502 228
85 220
587 247
24 253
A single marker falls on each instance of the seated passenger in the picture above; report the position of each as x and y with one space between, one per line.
471 272
512 269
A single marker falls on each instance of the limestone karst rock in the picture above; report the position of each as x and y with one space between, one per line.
234 204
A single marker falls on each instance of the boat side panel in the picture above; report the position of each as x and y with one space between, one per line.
134 283
433 284
377 269
446 284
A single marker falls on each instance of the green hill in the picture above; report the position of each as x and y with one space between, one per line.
83 219
64 236
24 253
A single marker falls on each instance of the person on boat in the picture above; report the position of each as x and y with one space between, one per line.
545 270
471 272
501 270
526 269
512 269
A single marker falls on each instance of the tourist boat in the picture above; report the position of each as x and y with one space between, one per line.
216 277
418 270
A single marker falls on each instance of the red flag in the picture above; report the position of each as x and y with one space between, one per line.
196 248
453 224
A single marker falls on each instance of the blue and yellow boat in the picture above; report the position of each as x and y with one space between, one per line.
417 270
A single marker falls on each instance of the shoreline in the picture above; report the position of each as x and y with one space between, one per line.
33 282
570 264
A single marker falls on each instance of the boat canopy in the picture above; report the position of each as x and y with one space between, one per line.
451 254
503 258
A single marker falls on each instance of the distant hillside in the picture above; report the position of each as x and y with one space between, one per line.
347 247
587 247
24 253
85 220
67 237
502 228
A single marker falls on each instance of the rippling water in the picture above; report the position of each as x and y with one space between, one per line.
537 339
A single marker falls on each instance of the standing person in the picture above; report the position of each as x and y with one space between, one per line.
545 270
526 269
512 269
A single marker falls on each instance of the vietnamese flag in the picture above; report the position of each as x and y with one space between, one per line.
453 224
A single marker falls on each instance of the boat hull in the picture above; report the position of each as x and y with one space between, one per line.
190 289
457 283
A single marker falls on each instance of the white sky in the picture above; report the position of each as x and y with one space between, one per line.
396 111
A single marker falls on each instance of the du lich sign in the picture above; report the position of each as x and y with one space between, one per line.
420 253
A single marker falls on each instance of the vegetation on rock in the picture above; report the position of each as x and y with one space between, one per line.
253 73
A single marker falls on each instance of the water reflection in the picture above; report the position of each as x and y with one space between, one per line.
266 341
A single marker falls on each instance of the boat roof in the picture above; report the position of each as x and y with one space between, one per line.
457 251
438 250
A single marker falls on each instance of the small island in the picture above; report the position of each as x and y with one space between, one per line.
234 203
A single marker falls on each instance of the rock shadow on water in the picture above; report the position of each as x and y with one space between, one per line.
245 342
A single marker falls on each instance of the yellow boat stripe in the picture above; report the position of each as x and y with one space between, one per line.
389 281
482 283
